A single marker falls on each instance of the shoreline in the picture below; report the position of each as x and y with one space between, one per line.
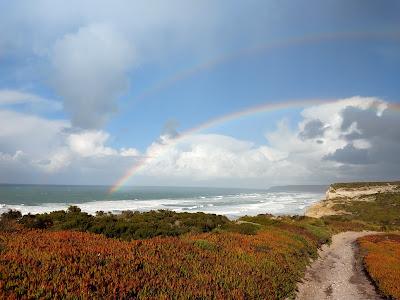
231 206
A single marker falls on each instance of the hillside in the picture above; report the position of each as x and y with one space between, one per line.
163 254
233 261
351 198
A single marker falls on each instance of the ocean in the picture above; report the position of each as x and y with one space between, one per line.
232 202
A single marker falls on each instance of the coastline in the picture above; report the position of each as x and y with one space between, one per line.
232 203
255 257
342 193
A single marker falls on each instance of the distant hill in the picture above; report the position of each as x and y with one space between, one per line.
299 188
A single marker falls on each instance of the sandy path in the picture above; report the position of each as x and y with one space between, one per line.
337 274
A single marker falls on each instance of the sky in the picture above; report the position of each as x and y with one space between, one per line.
199 93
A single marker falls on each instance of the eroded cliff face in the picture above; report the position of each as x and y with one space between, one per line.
342 192
359 192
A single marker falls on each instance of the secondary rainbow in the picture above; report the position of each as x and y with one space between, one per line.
261 48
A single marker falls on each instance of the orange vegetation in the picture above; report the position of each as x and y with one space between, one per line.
69 264
382 261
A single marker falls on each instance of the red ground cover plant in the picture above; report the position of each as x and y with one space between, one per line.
382 262
77 265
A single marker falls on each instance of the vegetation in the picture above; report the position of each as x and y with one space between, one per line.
363 184
8 221
128 225
315 228
383 213
341 223
265 264
163 254
381 256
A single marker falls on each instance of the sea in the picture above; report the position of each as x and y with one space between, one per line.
232 202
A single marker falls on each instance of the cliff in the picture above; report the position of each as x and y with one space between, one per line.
340 193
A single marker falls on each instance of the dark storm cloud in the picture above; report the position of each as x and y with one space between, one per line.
170 129
371 125
381 132
313 129
350 155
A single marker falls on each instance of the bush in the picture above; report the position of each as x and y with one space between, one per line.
11 214
128 225
41 221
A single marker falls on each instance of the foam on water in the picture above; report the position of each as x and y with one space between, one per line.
234 205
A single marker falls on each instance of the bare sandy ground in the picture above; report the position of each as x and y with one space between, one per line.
337 274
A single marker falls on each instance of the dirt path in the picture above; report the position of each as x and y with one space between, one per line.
337 274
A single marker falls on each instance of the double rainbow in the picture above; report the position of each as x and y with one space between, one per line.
267 107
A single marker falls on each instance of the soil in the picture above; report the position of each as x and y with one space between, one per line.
338 273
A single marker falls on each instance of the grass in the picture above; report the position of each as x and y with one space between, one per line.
381 256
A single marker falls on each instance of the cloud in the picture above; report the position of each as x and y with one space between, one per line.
29 133
34 149
313 129
90 72
170 129
15 97
350 155
91 143
318 150
371 123
131 152
47 151
372 136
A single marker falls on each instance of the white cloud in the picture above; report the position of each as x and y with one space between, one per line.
29 133
210 157
37 150
14 97
58 160
129 152
90 143
90 68
358 142
288 156
12 157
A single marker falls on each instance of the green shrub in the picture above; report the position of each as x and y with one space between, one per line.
128 225
11 214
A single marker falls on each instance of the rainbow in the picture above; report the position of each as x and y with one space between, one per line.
266 107
312 39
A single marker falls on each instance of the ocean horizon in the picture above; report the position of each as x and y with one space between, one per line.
232 202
